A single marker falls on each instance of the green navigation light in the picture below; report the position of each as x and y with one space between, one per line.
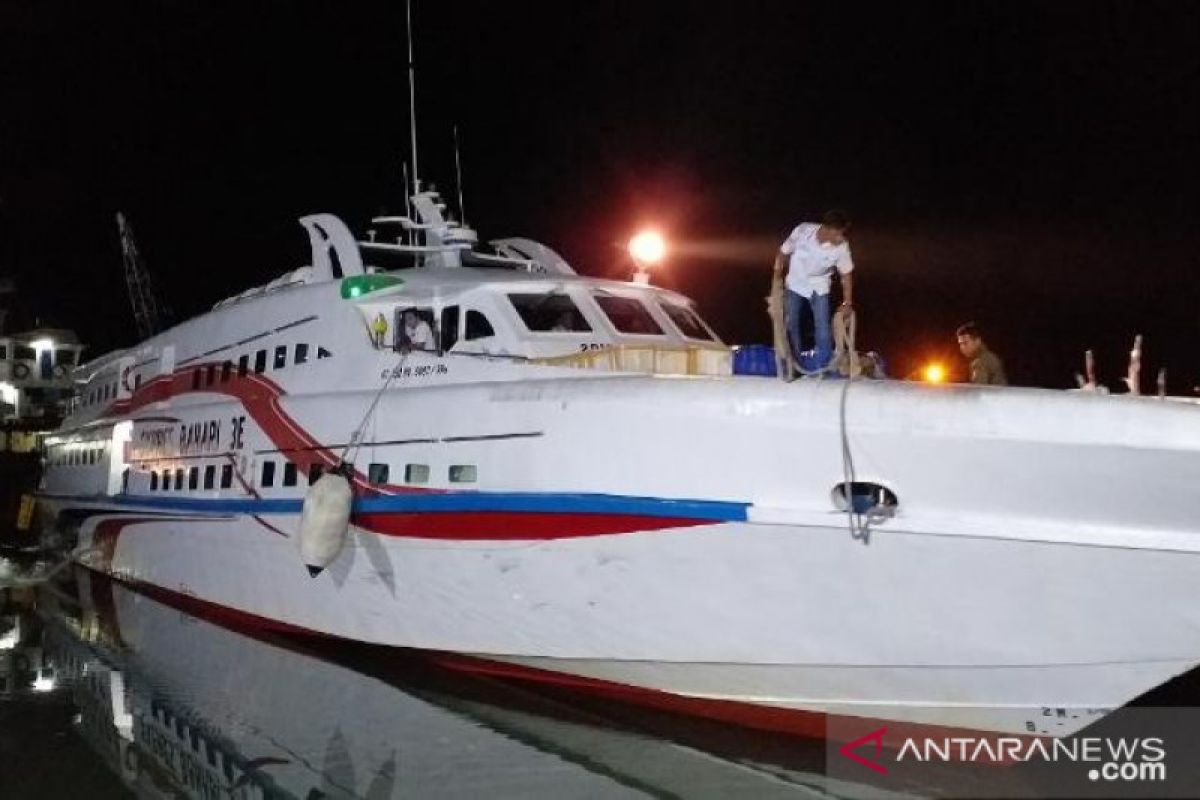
358 285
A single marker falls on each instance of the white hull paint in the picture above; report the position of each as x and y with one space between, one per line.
678 534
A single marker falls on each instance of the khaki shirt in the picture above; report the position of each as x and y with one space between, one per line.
986 369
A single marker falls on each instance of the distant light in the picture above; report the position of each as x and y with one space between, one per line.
934 373
648 247
42 344
43 684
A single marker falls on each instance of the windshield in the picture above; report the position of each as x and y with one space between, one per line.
687 321
549 313
628 315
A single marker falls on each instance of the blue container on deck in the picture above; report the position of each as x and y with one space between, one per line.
754 359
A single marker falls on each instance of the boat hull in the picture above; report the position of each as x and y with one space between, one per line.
979 633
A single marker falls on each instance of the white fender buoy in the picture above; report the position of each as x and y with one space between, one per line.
325 520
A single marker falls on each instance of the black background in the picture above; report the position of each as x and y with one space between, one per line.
1028 166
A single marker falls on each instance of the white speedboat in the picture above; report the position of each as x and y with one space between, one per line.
556 476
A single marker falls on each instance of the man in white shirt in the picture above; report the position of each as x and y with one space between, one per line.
813 251
417 333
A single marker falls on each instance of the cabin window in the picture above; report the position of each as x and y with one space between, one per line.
64 357
463 473
416 473
687 321
549 313
179 480
449 330
323 353
195 379
280 357
377 473
166 480
3 352
267 479
193 477
153 481
314 472
226 371
628 315
477 326
212 374
289 474
301 354
210 476
260 362
137 381
243 365
226 476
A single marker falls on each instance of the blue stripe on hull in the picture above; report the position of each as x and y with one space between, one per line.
518 502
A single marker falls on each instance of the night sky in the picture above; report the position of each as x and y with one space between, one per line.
1032 167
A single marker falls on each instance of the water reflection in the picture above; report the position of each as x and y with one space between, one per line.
178 706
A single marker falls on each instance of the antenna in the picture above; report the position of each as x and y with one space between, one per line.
462 214
412 98
407 202
146 313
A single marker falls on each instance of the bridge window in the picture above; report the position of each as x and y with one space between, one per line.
179 480
153 481
210 476
280 357
267 479
315 470
687 321
628 315
260 362
226 371
243 365
549 313
289 474
301 355
212 374
226 476
323 353
449 329
477 326
193 477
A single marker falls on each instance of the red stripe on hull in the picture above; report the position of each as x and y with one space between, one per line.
513 525
791 722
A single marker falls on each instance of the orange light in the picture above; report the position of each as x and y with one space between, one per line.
934 373
648 247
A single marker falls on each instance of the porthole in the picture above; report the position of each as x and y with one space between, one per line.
866 498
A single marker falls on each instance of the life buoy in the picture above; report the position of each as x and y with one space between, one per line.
20 371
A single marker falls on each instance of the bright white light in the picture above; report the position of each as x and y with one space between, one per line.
648 247
42 344
9 640
43 684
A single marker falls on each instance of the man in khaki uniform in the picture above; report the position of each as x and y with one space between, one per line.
986 367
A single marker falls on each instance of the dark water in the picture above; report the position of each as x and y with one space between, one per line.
105 692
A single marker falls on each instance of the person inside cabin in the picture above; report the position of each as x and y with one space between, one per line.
810 255
417 334
564 324
986 367
379 329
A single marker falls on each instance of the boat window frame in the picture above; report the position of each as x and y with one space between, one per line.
599 294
